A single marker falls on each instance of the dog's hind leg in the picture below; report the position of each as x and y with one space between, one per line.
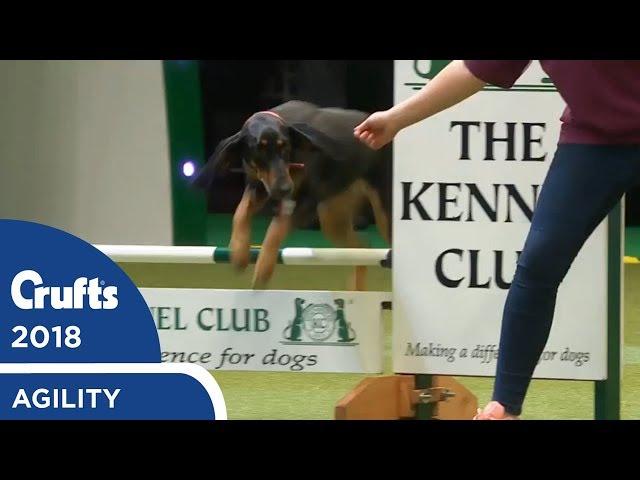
336 221
379 213
239 244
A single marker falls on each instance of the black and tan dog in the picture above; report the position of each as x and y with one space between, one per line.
307 161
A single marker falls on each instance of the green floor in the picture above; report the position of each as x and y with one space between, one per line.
632 242
219 232
313 395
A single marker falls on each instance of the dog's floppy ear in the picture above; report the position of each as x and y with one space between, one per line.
227 154
303 134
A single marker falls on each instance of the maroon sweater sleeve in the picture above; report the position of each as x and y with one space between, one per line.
502 73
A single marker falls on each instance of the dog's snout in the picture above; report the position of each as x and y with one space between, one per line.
283 190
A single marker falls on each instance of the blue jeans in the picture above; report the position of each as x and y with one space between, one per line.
583 184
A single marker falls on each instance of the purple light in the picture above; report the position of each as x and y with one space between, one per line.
188 168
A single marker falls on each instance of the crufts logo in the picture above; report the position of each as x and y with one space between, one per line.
320 323
35 296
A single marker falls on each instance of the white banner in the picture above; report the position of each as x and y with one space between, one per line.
269 330
465 184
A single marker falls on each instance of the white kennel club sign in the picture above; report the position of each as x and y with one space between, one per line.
465 184
269 330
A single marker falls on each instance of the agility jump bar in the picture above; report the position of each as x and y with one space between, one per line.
213 255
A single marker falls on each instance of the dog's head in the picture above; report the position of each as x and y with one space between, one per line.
263 147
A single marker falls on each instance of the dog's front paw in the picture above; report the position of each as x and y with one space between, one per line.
358 279
261 278
262 274
240 255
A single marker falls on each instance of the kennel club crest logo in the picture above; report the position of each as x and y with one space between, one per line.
319 324
532 80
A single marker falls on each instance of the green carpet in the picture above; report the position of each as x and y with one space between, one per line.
219 232
632 241
314 395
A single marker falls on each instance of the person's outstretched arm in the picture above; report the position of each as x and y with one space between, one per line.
453 84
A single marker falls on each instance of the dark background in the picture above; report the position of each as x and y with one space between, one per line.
232 90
